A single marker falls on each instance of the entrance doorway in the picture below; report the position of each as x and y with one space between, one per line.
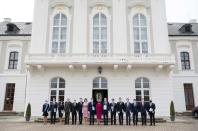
189 96
99 94
9 97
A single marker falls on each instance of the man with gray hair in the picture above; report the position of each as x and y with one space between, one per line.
67 109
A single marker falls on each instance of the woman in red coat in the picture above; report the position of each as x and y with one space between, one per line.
99 111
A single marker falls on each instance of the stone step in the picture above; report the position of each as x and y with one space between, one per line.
187 113
10 113
158 120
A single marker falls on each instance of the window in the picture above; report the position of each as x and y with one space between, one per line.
100 82
185 61
142 89
100 34
13 60
140 34
57 89
59 34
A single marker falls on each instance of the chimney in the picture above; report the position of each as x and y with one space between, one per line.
193 21
7 20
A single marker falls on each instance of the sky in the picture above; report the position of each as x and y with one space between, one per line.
22 10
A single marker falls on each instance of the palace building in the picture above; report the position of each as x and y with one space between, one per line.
91 48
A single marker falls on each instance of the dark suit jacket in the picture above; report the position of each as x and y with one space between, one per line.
120 107
74 108
143 107
107 104
53 107
128 107
135 108
114 107
60 106
79 107
152 106
67 107
90 107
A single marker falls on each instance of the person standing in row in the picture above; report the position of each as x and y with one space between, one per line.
85 110
67 111
91 109
105 110
74 112
135 112
53 110
113 109
60 110
120 109
128 108
143 111
151 111
45 111
99 111
80 113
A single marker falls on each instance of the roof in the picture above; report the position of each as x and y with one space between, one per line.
174 29
25 29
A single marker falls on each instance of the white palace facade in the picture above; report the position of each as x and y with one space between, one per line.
86 48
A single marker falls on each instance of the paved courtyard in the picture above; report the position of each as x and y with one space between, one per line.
188 124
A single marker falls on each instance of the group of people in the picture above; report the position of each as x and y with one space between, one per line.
88 110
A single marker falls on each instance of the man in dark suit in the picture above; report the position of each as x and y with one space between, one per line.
53 110
80 114
120 109
113 108
143 110
135 112
91 109
128 109
151 111
74 112
105 111
67 109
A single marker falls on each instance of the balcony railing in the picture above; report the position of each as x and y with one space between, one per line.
43 59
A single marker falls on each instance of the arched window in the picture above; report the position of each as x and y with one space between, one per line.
140 34
100 83
99 33
142 89
59 33
13 60
57 89
185 60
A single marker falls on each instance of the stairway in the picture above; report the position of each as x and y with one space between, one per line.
11 113
186 113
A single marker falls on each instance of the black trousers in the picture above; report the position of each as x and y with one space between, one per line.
143 117
74 117
105 117
152 119
91 121
67 114
113 118
120 118
52 117
128 118
80 115
135 118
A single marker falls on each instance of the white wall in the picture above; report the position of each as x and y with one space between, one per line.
120 83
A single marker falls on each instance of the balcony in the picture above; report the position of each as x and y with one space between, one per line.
99 59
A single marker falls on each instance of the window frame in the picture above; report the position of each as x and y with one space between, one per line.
142 89
185 61
57 89
13 60
140 27
100 83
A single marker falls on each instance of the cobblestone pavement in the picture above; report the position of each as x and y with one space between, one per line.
14 126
